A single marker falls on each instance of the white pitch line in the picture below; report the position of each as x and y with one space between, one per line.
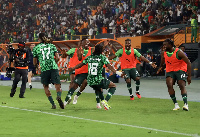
153 129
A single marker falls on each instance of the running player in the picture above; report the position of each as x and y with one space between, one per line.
73 62
128 61
81 73
95 79
177 64
45 53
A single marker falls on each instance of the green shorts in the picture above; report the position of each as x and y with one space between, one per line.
177 75
131 73
80 78
50 76
104 85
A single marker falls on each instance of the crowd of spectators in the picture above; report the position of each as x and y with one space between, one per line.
60 19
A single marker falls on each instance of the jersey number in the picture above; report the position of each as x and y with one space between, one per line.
183 75
47 53
93 68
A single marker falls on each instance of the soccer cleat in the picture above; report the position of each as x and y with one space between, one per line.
75 99
176 107
105 104
21 96
138 94
131 97
53 107
30 86
98 106
12 94
60 102
67 102
185 107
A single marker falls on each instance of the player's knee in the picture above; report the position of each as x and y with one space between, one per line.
48 93
128 81
137 78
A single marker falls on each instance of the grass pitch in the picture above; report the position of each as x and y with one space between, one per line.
32 117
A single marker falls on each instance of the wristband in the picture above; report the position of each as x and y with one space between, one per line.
150 63
119 73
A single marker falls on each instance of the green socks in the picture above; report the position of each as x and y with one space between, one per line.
70 93
111 91
173 98
78 93
184 96
129 88
137 85
59 94
51 100
97 96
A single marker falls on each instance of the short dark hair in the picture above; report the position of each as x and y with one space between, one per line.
128 40
98 49
169 41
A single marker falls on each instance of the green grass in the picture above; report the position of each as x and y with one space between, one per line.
144 112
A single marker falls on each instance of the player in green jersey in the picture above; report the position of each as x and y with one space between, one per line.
45 52
95 79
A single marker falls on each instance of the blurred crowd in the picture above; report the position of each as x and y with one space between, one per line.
22 20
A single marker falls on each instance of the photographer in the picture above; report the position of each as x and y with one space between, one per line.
21 60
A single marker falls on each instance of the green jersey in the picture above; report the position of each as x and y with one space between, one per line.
45 54
95 68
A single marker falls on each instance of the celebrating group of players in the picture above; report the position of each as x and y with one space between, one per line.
87 65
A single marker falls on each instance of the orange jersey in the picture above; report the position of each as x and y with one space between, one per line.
74 60
128 61
174 64
83 69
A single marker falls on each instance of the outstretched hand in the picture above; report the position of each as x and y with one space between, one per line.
154 65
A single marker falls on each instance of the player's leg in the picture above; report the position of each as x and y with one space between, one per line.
15 82
55 79
170 81
105 84
24 73
48 94
45 80
82 87
77 83
128 82
99 95
82 82
72 77
136 77
29 78
181 77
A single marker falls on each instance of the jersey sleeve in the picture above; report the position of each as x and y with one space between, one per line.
71 51
119 53
137 53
